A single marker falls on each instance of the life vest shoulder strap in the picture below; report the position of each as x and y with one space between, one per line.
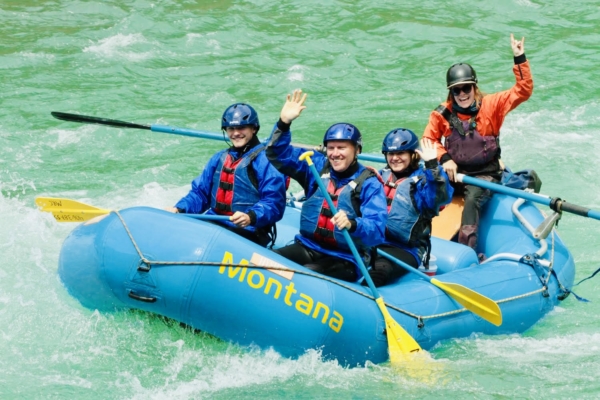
357 184
452 119
446 113
252 155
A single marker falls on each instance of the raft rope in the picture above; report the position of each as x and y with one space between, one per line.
533 261
145 265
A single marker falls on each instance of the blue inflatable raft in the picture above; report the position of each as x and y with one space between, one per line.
211 279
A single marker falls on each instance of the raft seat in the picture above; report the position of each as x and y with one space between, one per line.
452 256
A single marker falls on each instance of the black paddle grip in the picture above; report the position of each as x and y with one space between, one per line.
86 119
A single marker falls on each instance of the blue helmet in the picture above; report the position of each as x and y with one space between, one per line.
343 131
240 114
400 139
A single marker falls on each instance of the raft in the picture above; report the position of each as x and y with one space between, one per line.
209 278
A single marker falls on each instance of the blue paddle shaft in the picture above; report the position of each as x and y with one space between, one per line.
345 232
403 264
208 217
216 136
534 197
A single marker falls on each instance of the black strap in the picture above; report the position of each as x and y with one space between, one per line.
324 232
225 185
444 111
326 212
223 207
359 181
452 119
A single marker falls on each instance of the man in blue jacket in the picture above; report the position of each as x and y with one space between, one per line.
239 181
359 195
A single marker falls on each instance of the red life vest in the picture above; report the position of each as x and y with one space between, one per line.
324 232
226 199
390 187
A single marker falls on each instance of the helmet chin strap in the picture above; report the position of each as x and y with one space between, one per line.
226 138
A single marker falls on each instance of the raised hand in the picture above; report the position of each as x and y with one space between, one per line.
293 107
427 151
518 46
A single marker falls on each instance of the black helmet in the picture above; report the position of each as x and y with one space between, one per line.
459 74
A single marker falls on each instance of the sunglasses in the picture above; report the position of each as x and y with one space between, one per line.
466 89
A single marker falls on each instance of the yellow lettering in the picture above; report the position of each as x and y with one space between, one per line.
244 270
271 282
261 279
232 272
227 259
325 311
336 323
288 294
256 280
305 307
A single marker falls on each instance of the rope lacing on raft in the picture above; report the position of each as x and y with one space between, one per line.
145 265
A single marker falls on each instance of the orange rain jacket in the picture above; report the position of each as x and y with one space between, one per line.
494 108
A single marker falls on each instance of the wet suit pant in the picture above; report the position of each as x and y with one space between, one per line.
259 236
325 264
385 271
475 198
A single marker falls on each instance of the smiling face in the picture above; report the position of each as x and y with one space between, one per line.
461 98
341 154
240 135
398 160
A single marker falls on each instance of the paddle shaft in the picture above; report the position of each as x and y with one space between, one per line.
207 217
345 232
554 203
475 302
86 119
403 264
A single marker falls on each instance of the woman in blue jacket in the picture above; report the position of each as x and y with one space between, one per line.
239 181
414 194
356 191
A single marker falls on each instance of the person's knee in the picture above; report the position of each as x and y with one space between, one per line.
315 267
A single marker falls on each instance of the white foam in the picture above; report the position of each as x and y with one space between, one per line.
296 73
116 47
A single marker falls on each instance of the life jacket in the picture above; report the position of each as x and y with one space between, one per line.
235 187
405 224
465 144
315 217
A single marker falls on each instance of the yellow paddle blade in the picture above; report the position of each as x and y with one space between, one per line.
56 203
77 215
475 302
66 210
445 225
400 343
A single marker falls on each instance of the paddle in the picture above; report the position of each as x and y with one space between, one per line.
67 210
554 203
86 119
475 302
447 223
399 341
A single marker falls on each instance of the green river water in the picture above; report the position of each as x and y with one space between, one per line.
377 64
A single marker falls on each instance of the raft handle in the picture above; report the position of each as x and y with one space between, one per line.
141 298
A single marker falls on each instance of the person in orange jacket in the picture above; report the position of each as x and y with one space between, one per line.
469 123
